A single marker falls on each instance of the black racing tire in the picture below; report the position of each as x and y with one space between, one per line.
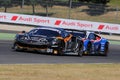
89 48
105 53
60 52
61 48
17 48
80 53
98 50
79 48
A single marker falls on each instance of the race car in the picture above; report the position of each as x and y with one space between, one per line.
93 43
48 40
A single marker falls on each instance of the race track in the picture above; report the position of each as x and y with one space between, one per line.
8 56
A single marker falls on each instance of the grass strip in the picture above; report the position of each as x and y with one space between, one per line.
6 36
115 42
60 72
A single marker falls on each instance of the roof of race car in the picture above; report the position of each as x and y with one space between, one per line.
59 30
51 28
76 32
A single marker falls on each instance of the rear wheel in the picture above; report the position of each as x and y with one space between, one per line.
105 52
60 52
89 48
79 48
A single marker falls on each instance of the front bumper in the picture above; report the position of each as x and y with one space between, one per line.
37 47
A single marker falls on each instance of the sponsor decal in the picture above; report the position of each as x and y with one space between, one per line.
58 22
100 27
66 23
108 27
115 28
41 20
29 19
14 18
2 17
72 23
84 25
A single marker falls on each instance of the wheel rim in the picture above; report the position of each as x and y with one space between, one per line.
16 47
77 48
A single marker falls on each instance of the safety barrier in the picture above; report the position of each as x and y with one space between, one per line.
59 23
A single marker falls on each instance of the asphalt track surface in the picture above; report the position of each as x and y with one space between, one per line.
8 56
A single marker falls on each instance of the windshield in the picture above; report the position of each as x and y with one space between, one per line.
44 32
79 34
91 36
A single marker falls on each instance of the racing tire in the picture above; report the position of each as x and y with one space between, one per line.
98 51
105 53
61 48
79 48
17 48
60 52
89 48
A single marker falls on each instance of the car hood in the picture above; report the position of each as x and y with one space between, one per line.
41 38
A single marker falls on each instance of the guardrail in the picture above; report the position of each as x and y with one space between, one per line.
59 23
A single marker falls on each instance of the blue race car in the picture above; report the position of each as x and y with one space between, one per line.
93 43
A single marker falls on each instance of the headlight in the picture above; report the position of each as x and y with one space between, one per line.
23 38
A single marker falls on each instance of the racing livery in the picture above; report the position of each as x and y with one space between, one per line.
93 43
48 40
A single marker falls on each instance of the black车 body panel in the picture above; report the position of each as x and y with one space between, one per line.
48 40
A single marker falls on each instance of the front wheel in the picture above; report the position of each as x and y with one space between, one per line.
105 52
16 47
89 48
61 48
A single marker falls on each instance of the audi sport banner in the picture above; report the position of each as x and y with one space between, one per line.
59 23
